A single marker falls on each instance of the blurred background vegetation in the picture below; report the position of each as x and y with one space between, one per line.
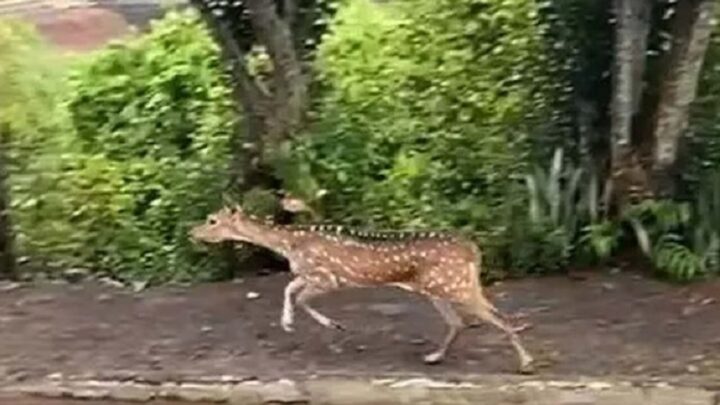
522 123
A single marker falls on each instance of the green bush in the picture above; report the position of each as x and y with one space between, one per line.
152 118
563 221
682 240
31 109
426 112
30 84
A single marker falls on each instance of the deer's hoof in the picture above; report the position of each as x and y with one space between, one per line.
337 326
287 326
527 367
330 324
433 358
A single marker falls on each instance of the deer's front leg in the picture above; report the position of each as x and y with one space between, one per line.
455 325
306 295
288 311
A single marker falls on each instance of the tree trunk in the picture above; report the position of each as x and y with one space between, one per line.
640 26
7 253
268 117
251 103
690 32
632 27
622 100
289 85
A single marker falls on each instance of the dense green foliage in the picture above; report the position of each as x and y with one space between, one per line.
682 240
565 217
30 90
31 110
428 109
426 114
147 156
429 116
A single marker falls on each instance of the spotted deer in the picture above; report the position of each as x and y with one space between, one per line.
443 267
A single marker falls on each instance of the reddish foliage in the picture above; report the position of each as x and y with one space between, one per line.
82 29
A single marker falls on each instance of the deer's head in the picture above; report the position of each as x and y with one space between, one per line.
225 224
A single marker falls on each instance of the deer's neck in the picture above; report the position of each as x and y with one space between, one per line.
270 237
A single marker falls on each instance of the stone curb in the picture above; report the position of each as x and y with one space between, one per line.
337 390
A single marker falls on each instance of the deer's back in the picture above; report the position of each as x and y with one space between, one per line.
420 261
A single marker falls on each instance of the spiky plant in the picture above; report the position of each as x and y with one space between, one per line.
553 197
570 203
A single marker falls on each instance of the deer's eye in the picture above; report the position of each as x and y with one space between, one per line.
212 221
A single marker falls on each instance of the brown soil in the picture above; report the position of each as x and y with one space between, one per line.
82 29
25 400
604 324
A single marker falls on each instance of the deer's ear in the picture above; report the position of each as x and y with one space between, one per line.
237 209
294 205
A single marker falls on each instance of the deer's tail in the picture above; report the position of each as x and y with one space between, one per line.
483 304
480 301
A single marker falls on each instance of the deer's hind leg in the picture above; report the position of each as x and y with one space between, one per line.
484 310
455 326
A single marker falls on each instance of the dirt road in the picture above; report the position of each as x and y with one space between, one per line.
607 324
16 400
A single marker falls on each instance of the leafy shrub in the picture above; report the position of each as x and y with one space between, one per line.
30 83
705 224
599 240
426 111
658 228
31 88
564 220
152 119
681 239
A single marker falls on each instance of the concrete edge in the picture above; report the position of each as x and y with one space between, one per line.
343 390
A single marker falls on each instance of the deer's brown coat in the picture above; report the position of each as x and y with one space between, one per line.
443 267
